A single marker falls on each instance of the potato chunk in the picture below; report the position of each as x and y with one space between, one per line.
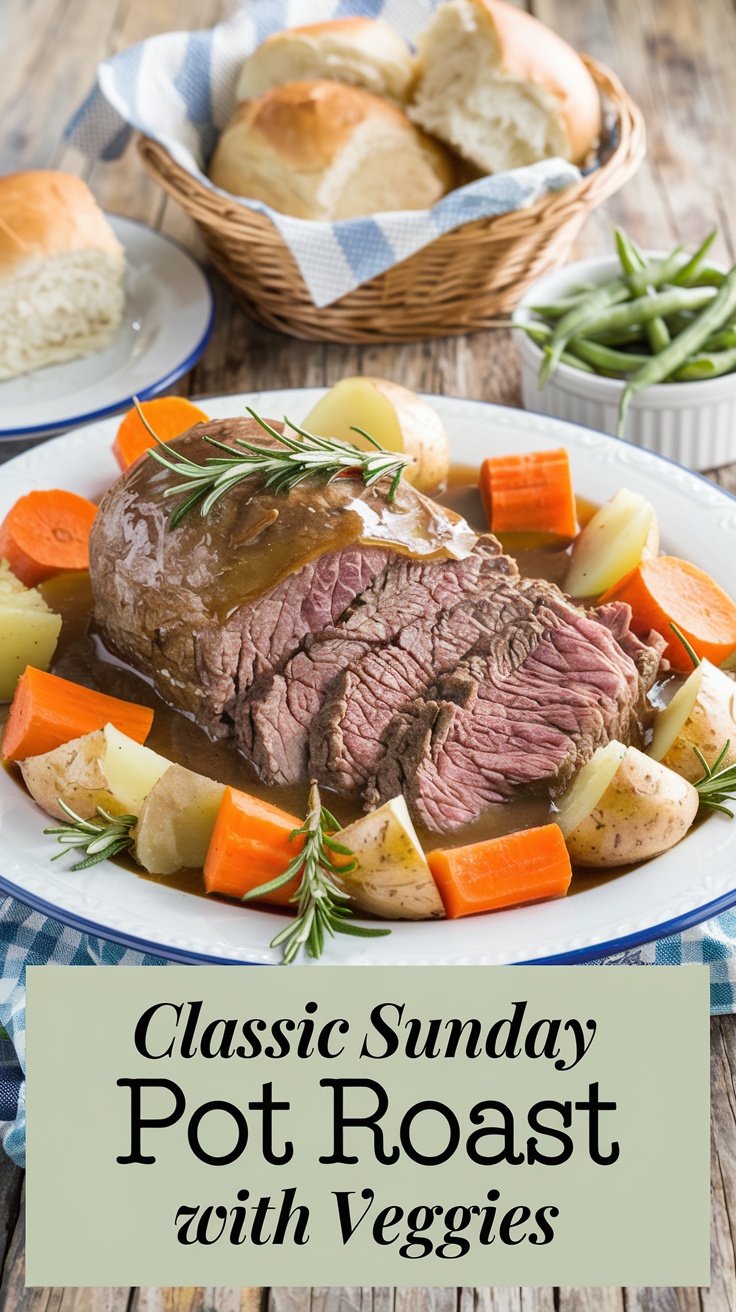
611 544
642 811
396 417
176 821
29 631
104 768
702 714
392 878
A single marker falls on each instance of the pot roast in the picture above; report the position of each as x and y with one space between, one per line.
379 649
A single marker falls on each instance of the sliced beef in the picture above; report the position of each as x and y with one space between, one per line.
399 610
514 714
346 738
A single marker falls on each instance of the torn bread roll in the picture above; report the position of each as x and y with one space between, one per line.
322 150
503 89
61 272
363 52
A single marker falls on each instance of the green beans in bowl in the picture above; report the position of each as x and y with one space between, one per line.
643 345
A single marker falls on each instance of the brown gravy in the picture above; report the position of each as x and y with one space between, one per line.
81 658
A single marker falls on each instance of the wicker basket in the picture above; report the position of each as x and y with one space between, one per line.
456 284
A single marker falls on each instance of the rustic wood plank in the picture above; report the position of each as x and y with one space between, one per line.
425 1299
11 1188
296 1299
722 1292
663 1299
75 37
507 1299
606 1299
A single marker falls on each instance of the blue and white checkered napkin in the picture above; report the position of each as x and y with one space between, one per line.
180 89
28 938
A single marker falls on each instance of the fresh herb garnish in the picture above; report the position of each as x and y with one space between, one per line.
679 634
717 786
318 897
301 457
99 841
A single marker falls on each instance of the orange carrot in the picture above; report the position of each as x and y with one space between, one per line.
502 872
169 416
46 533
666 590
530 493
250 846
48 711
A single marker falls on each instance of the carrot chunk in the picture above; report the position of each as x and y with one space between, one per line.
250 846
666 590
530 493
502 872
48 711
169 416
46 533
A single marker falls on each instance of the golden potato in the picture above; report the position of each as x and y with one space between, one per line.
643 811
611 544
396 417
104 768
702 714
176 821
29 631
392 878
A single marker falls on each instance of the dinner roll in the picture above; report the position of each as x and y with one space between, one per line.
61 272
364 52
502 88
322 150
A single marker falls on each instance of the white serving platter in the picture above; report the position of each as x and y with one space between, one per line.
691 883
166 325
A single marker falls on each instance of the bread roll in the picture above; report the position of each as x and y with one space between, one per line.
364 52
322 150
502 88
61 272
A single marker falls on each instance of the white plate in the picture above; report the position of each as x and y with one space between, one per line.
689 884
166 325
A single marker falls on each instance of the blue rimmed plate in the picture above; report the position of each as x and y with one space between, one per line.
166 325
689 884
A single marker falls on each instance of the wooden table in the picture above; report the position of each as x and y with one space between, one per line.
677 59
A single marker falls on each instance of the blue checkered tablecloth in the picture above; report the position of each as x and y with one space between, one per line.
27 938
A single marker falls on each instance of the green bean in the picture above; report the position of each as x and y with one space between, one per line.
683 319
661 366
580 317
572 360
700 367
709 278
684 276
539 332
652 307
624 337
593 353
556 309
631 259
654 273
602 357
722 341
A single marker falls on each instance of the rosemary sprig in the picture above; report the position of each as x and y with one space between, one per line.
317 897
679 634
281 470
717 786
99 841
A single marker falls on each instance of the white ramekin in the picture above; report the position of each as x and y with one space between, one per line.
692 423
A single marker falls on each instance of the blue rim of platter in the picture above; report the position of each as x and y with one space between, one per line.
145 393
579 957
